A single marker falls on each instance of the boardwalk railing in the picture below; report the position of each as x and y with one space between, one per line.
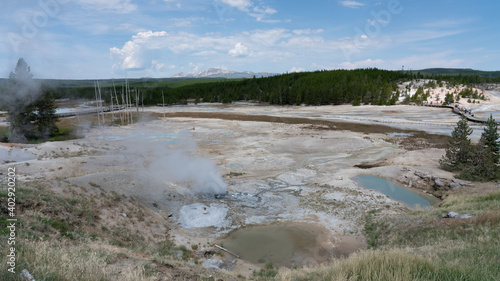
459 112
90 111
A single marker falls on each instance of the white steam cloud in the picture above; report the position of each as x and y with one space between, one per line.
16 94
169 159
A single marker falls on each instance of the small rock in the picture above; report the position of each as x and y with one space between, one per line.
454 185
123 214
212 264
27 276
460 182
422 175
453 215
438 183
208 254
66 214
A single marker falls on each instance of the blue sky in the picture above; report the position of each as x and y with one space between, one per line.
98 39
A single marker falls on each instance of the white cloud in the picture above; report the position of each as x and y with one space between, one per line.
297 69
362 64
265 10
239 50
261 12
146 47
177 5
183 22
448 23
158 66
146 50
196 67
242 5
205 53
258 12
307 31
351 4
306 42
134 54
112 6
261 19
269 36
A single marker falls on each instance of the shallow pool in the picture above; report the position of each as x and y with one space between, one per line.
290 244
394 191
273 243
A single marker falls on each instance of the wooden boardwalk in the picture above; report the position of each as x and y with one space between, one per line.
90 111
456 111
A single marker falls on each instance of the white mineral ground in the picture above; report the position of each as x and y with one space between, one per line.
301 173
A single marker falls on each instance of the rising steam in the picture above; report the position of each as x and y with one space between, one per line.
20 91
167 162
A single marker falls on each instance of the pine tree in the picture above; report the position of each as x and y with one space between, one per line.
22 72
31 106
459 150
482 166
45 118
448 98
491 137
21 92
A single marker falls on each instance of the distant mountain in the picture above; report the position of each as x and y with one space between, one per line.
223 73
458 71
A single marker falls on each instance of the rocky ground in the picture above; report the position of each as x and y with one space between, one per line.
280 164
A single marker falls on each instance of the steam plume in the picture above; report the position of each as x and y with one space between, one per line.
146 153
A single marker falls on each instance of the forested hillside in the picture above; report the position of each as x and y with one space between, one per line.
460 71
360 86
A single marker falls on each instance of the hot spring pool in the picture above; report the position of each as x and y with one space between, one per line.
273 243
394 191
289 244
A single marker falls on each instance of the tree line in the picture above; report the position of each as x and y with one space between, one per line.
360 86
369 86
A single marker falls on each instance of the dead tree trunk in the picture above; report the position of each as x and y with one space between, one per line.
97 103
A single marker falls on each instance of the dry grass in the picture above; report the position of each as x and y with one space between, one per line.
66 236
476 204
397 265
55 260
420 245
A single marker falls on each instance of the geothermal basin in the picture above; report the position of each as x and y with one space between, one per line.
286 174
